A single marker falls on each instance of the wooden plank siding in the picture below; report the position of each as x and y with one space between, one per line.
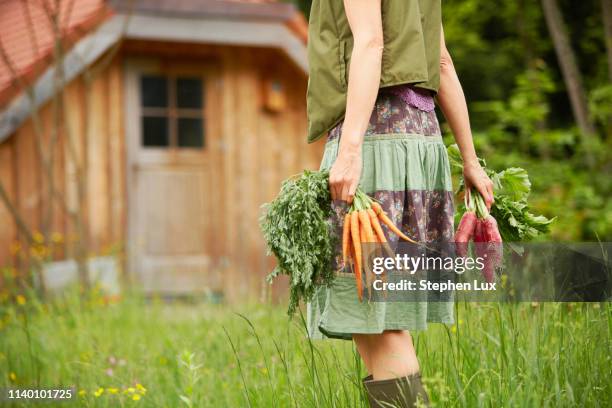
252 153
8 230
22 174
117 156
261 149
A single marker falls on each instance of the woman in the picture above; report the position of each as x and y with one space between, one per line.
375 67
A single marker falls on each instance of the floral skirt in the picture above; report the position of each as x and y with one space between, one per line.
406 168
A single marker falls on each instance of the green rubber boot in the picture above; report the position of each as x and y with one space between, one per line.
402 392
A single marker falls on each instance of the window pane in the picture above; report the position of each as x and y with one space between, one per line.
154 91
155 131
189 93
190 133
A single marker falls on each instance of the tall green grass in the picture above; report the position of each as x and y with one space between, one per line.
139 352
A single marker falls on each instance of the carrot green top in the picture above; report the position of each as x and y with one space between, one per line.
411 54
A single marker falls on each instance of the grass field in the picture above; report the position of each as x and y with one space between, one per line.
135 352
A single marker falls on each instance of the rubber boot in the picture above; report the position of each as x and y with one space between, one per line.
402 392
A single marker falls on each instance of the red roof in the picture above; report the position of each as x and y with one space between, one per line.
26 35
26 31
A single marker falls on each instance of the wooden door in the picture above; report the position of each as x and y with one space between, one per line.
170 127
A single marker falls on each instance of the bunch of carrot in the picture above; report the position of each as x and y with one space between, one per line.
478 224
362 225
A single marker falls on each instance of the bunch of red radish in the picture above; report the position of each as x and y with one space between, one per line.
479 225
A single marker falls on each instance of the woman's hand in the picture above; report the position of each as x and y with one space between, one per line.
345 174
475 176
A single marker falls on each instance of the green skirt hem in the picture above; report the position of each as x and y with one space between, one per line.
336 312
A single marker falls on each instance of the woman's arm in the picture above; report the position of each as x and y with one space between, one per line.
453 105
365 21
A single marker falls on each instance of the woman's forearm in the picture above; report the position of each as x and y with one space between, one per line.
364 18
364 73
454 107
452 102
363 83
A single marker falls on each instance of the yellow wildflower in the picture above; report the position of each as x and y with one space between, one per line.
131 390
112 390
140 388
454 329
39 251
21 300
38 237
136 397
99 392
57 238
82 393
12 376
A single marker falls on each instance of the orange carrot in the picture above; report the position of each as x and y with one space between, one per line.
352 256
368 237
346 230
380 237
383 217
350 252
357 249
376 225
362 234
364 220
380 234
365 254
377 208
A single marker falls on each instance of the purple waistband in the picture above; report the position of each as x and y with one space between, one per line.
417 97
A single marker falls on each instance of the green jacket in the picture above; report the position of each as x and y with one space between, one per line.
411 30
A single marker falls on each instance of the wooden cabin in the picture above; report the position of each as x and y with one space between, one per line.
167 127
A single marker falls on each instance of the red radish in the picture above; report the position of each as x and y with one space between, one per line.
479 224
491 231
464 233
467 225
479 233
487 239
481 248
494 240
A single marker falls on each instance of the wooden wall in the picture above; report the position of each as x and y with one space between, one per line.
256 150
93 120
261 150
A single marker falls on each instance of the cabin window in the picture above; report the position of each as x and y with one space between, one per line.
172 111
